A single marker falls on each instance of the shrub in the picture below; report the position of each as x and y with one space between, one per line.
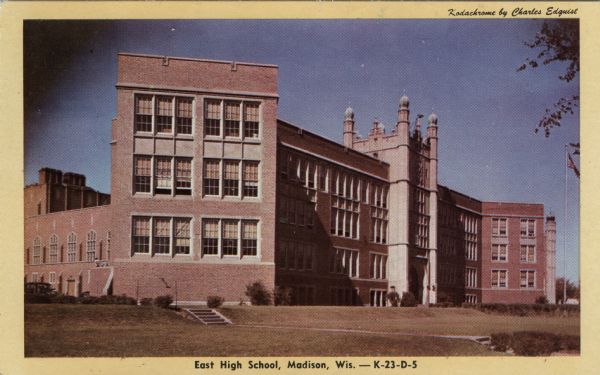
63 298
146 302
535 343
258 294
500 341
541 300
214 301
408 300
282 296
163 301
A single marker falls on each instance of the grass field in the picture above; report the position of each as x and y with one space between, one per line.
132 331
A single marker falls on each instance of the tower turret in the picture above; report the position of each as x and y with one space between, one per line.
402 126
550 259
349 132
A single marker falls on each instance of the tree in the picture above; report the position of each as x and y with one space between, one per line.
559 41
572 289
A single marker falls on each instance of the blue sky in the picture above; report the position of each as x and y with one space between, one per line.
463 70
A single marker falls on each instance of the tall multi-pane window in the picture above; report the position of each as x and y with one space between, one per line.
162 235
212 118
212 177
527 253
499 253
183 176
183 119
230 237
162 175
344 261
499 279
231 179
249 237
142 174
232 119
499 227
377 266
141 235
251 120
527 228
91 246
527 279
210 237
250 178
323 172
53 255
471 277
182 236
37 251
71 247
143 113
470 237
164 114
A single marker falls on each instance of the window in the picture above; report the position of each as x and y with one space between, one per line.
52 277
183 176
344 262
162 235
249 238
499 227
141 235
471 277
527 228
210 237
53 255
378 265
71 247
162 175
470 298
378 298
182 236
323 178
211 177
499 279
251 120
183 120
232 119
527 279
37 250
250 179
143 113
499 253
527 254
230 237
164 114
108 245
91 246
157 114
142 174
231 181
212 118
470 237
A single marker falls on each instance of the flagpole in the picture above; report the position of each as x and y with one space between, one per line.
565 233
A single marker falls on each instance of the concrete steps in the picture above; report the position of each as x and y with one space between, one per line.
207 316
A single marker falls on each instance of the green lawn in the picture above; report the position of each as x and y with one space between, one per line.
132 331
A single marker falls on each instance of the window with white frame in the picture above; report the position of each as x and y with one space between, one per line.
499 227
527 279
52 277
378 297
37 250
344 262
229 237
249 238
420 224
250 178
499 253
224 117
471 298
34 277
53 253
527 228
471 277
72 247
231 178
499 279
377 266
527 253
469 224
163 114
108 245
161 235
168 172
91 246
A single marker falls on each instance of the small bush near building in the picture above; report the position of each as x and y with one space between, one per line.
520 309
163 301
527 343
541 300
63 298
282 296
214 301
258 294
146 302
408 300
500 341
